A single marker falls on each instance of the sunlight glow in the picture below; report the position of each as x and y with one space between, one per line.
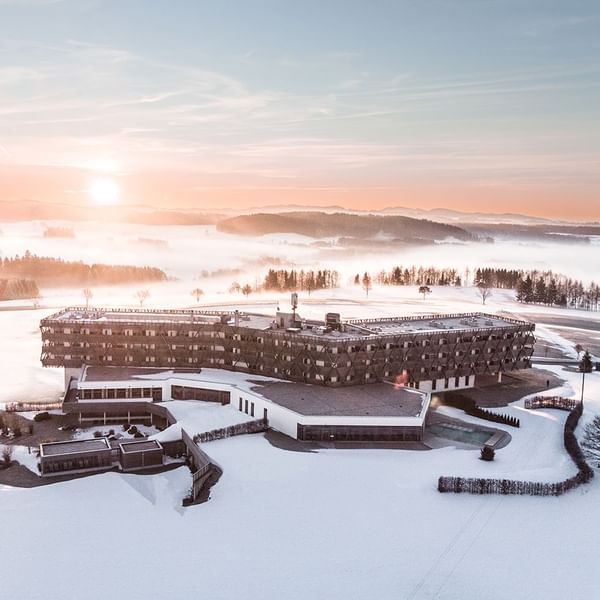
104 192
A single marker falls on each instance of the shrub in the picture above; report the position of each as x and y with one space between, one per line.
126 426
138 434
468 405
97 434
16 431
133 430
487 453
111 432
42 416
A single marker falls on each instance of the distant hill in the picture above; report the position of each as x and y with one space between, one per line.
550 232
321 225
31 210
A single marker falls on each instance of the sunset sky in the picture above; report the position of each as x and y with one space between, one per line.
476 105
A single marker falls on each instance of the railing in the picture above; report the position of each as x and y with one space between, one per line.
31 406
58 317
201 462
437 317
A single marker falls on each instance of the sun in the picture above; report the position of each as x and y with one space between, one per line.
104 192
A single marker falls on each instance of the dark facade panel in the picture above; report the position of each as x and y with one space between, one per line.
180 392
359 433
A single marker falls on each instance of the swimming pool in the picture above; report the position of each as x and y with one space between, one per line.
460 433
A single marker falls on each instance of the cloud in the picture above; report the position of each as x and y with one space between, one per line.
92 101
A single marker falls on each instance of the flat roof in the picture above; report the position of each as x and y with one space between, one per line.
100 315
74 446
430 323
139 445
371 399
92 373
351 328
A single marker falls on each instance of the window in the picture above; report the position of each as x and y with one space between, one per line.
252 409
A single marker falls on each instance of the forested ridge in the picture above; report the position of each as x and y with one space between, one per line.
320 225
50 271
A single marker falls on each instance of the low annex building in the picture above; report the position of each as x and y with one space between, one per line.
99 454
75 456
138 454
383 411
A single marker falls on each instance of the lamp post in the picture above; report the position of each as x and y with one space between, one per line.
585 366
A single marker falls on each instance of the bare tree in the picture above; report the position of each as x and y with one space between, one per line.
35 301
424 289
591 441
235 288
367 284
87 295
197 293
246 290
484 291
142 296
7 453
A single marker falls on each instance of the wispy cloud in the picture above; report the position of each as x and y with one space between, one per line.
94 101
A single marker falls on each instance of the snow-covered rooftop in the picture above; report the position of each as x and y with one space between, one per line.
373 399
196 416
74 446
350 328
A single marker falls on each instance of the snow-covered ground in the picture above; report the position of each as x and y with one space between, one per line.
350 524
197 417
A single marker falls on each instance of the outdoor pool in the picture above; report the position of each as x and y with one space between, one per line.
460 433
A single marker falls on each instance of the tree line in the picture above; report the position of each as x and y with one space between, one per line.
419 275
557 290
283 280
531 286
18 289
56 271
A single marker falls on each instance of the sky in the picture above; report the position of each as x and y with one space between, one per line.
477 105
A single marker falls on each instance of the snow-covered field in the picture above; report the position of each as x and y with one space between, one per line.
347 524
351 524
